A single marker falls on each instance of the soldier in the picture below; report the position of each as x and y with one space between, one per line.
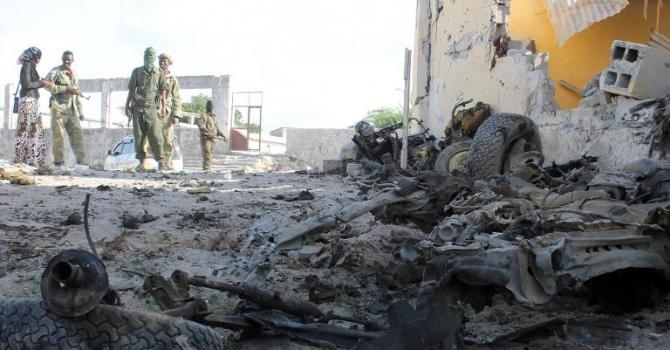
146 105
173 108
66 111
209 129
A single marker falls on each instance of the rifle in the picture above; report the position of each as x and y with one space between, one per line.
82 96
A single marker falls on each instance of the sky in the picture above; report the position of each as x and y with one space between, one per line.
319 63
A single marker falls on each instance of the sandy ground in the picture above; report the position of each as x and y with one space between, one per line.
208 234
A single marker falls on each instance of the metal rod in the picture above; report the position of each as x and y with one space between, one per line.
405 115
88 234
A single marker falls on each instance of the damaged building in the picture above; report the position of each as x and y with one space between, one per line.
544 59
533 213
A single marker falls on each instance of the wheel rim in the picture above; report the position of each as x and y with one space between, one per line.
457 161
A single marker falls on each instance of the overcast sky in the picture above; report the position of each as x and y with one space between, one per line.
319 63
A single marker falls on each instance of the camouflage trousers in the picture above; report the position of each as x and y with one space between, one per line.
167 130
62 122
147 127
207 152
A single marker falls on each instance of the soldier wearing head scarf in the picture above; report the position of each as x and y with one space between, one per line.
66 111
146 105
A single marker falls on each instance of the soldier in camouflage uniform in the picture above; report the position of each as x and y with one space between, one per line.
209 130
146 105
66 111
173 108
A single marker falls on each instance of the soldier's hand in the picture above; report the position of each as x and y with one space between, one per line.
47 83
223 137
81 117
128 113
71 90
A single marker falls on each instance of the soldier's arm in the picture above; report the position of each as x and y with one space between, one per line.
131 92
201 122
54 88
218 131
202 125
176 100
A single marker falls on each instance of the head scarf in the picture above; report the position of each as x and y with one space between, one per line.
165 56
30 54
149 58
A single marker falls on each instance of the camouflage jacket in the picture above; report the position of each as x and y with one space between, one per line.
60 100
173 96
207 122
147 87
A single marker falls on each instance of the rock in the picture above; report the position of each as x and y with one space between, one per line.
72 219
148 217
307 251
199 190
130 221
320 261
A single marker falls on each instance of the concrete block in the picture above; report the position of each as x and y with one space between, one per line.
334 166
637 70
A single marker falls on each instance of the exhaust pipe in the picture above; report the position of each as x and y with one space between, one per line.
73 283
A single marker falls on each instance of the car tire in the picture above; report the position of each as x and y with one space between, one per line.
496 138
452 157
26 324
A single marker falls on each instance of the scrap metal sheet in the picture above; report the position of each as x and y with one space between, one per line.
573 16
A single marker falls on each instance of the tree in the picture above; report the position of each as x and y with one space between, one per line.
384 116
240 123
197 105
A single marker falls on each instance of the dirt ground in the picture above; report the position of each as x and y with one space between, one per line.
209 234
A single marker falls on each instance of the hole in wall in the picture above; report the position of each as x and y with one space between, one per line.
624 81
610 78
632 55
618 52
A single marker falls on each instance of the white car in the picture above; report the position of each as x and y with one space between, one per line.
122 157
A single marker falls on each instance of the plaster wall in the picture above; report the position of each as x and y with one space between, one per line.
313 146
609 132
455 60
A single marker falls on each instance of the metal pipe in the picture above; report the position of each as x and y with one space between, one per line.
405 115
67 273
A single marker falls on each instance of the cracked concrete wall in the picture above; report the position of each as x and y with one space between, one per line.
455 60
608 131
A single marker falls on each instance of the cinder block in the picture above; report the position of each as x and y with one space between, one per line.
334 166
637 70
